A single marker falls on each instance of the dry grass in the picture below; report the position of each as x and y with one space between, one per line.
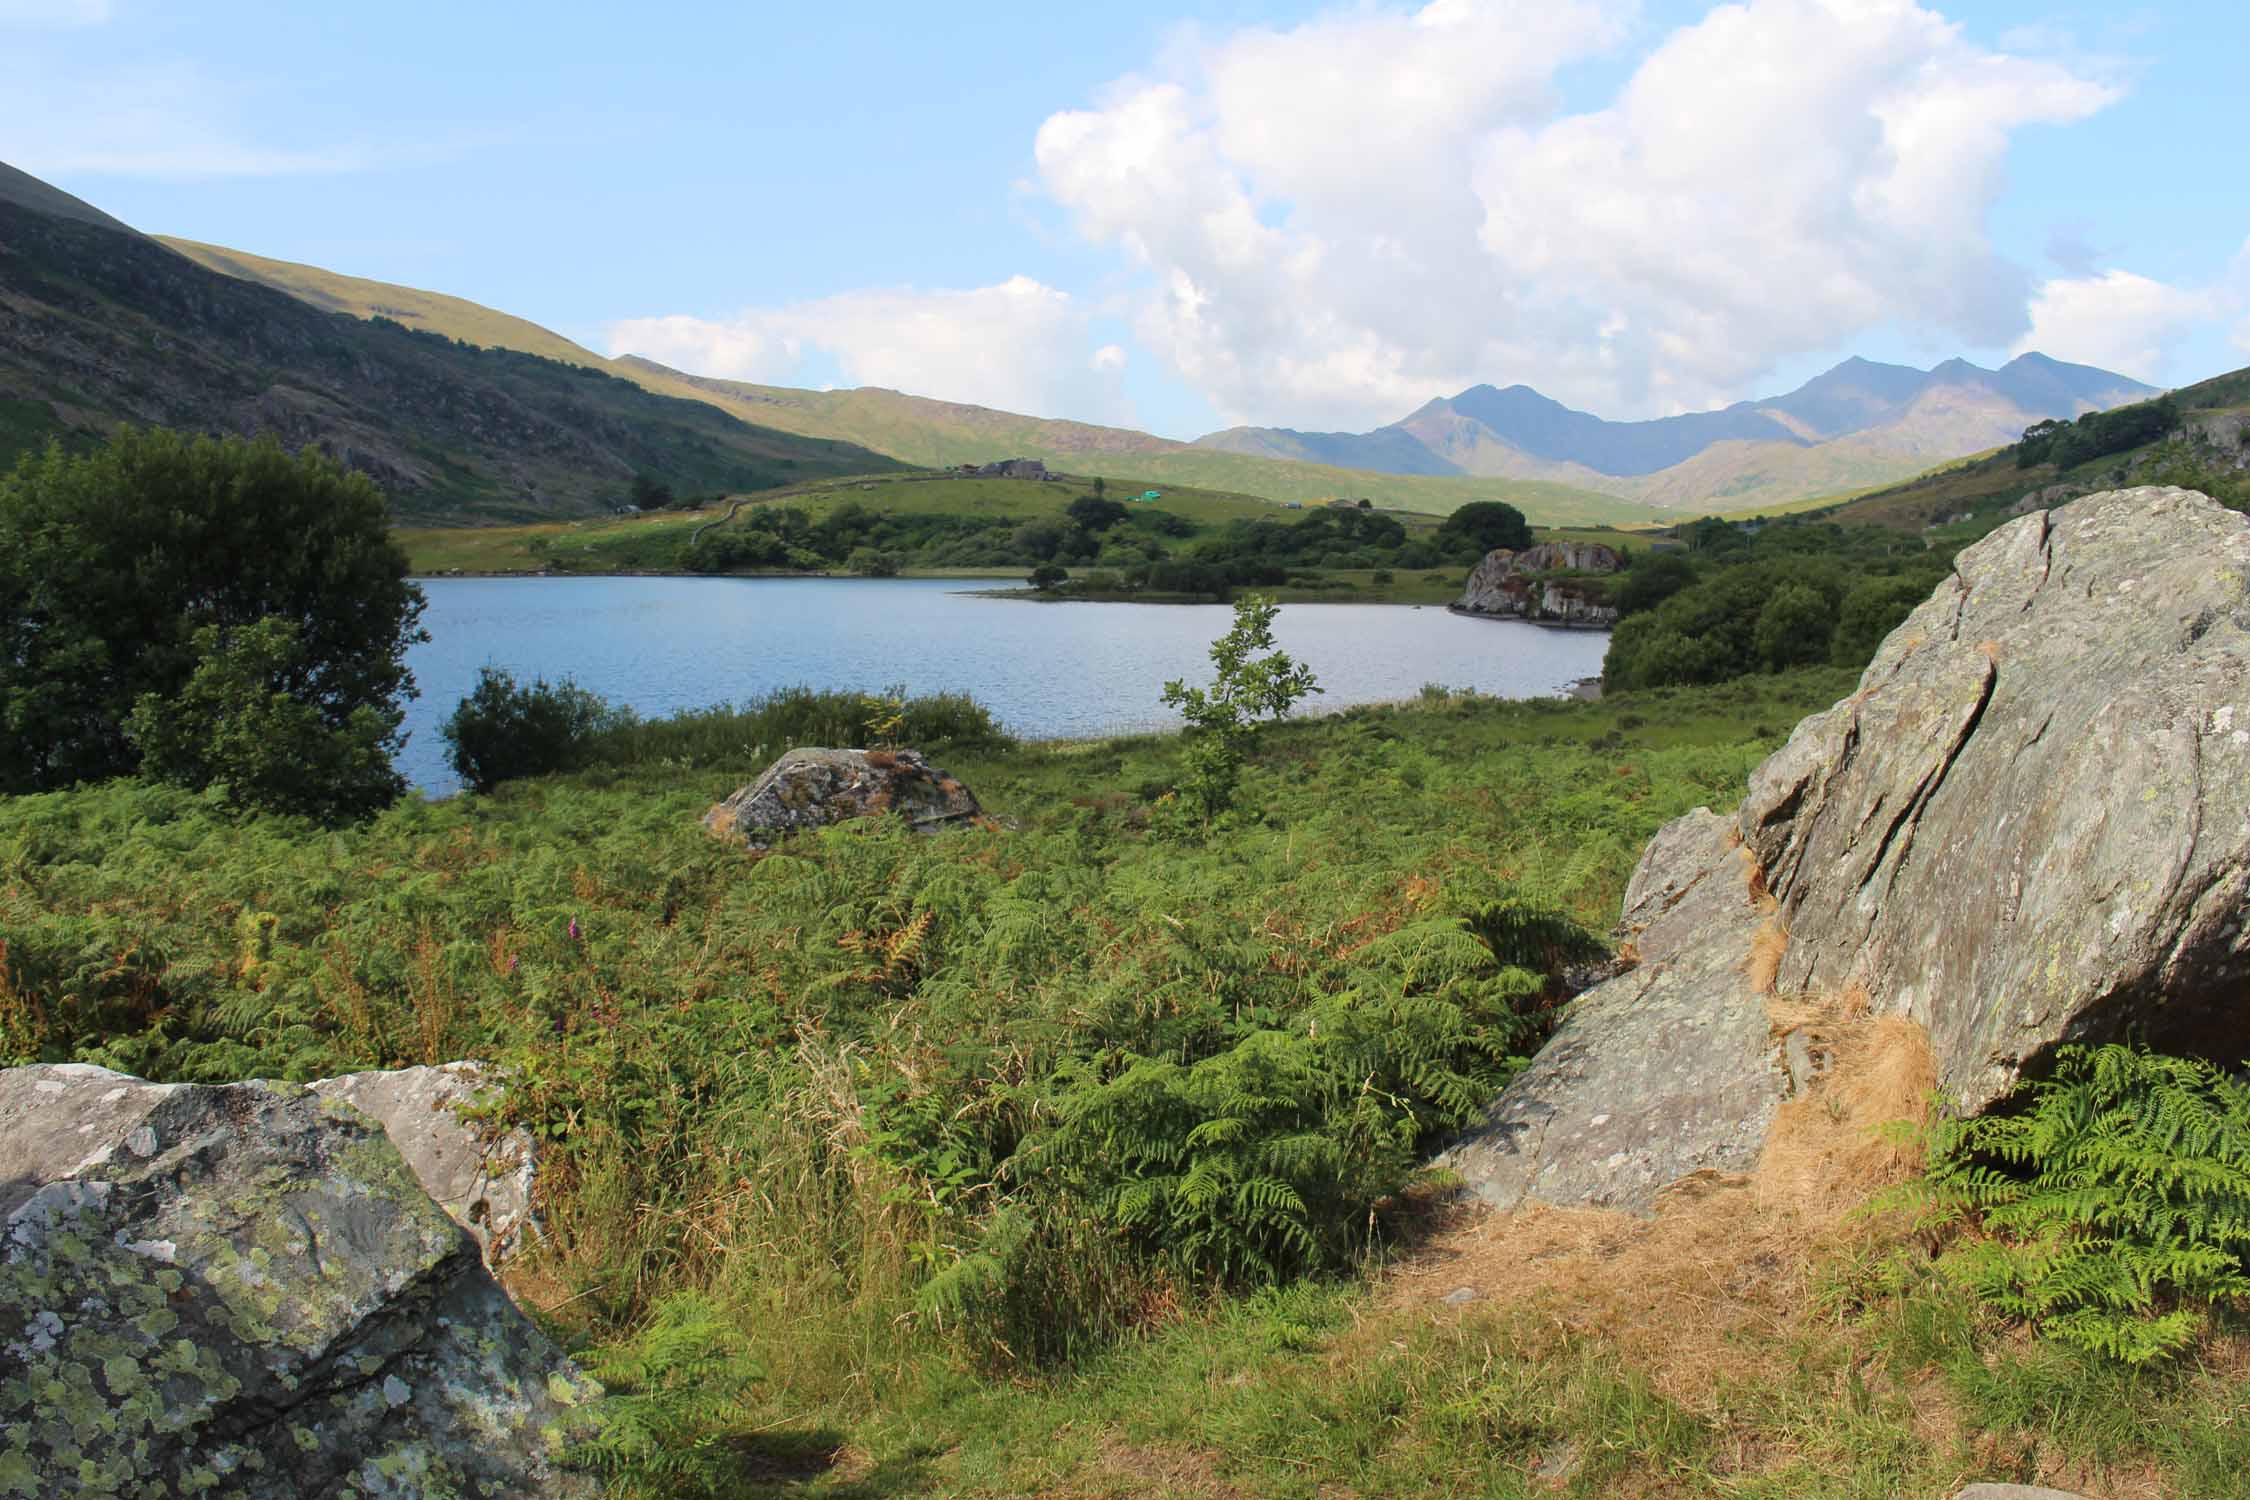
1768 945
1718 1289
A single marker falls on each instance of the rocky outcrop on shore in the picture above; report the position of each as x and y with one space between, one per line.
242 1290
1523 585
2029 826
813 788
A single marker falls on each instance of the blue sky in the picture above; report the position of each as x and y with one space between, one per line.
1183 218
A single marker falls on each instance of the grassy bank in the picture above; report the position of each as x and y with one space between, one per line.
1077 1154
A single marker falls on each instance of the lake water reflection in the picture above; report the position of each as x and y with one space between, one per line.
1047 670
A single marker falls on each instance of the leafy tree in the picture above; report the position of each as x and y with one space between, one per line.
1484 525
1247 689
866 562
1095 513
1794 627
1047 575
1654 581
650 493
505 730
1872 610
229 727
114 563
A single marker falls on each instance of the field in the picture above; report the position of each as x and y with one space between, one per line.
656 541
853 1145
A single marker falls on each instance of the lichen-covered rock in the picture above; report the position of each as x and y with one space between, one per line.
2030 826
482 1178
812 788
242 1291
1666 1070
1515 585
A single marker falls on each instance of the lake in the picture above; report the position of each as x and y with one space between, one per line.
1046 670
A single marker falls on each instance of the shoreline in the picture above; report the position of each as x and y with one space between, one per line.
1028 595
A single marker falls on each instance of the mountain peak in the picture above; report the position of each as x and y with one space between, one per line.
26 191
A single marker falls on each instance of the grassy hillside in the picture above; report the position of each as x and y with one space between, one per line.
657 542
920 431
100 326
2205 450
885 1166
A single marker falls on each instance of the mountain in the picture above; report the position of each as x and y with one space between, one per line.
919 430
100 325
1857 424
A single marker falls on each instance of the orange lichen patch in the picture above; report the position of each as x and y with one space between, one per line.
1768 945
882 760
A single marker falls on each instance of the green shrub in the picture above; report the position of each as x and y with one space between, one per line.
113 562
505 730
1246 688
2116 1205
264 749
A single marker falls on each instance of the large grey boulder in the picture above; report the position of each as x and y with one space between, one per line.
2029 826
483 1178
241 1290
813 788
1664 1071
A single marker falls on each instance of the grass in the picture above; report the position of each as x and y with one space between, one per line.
825 1100
654 542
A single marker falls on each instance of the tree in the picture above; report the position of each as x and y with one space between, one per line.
1794 627
126 570
1095 513
1047 575
1247 690
650 493
228 727
504 730
867 562
1484 525
1653 582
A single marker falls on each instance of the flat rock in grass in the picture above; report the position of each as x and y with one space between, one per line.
2016 1492
482 1178
242 1290
813 788
2028 827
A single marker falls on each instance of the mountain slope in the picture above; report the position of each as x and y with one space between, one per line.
1860 423
101 325
923 431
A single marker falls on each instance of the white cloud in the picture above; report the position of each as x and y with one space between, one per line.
1340 220
2118 320
1019 345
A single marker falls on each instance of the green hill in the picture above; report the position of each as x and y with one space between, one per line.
2194 436
100 325
924 432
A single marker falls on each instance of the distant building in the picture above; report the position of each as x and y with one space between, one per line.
1012 468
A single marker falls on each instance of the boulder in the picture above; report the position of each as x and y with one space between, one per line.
1516 585
482 1178
812 788
241 1290
2028 827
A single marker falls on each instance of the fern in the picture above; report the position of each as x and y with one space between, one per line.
676 1393
2117 1204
